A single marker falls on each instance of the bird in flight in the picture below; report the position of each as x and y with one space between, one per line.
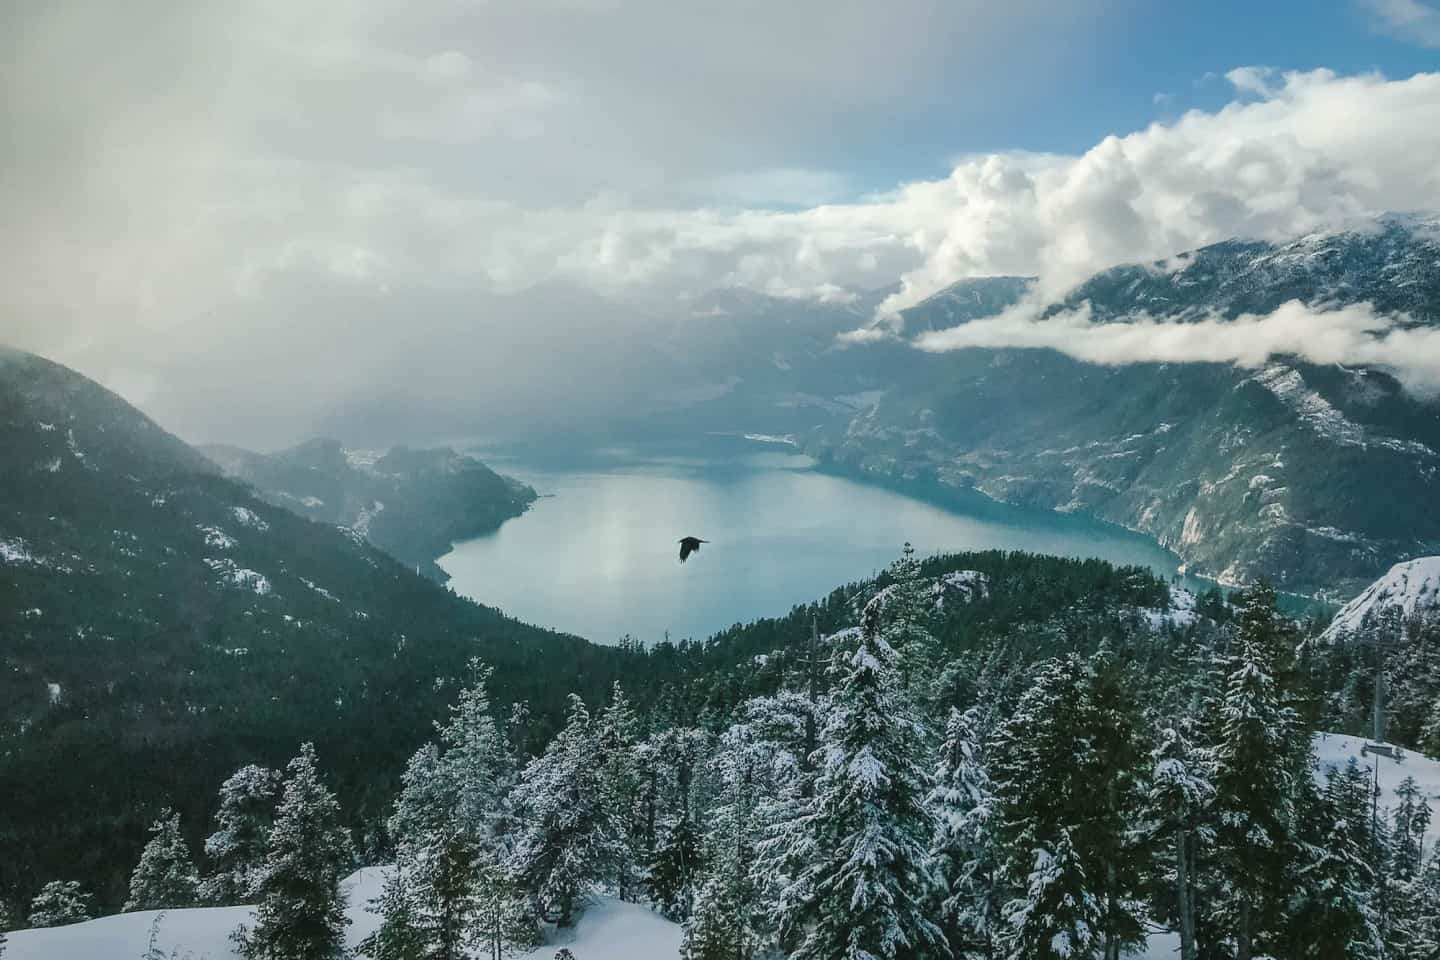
689 545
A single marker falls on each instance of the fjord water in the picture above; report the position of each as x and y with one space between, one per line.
597 554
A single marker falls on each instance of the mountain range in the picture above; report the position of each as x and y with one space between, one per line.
1314 476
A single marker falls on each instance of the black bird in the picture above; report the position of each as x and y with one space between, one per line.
689 545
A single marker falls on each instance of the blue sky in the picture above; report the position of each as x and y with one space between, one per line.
1120 59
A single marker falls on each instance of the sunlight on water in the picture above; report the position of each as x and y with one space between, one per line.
598 554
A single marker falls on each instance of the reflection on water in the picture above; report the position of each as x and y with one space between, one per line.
598 555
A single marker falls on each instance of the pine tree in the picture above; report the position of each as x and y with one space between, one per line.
60 902
165 877
1259 746
711 932
617 731
236 849
570 841
1180 796
674 869
449 828
399 936
1402 892
503 919
1329 912
861 896
301 914
906 607
1067 779
4 926
963 854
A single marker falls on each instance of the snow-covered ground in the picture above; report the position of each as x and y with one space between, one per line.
608 930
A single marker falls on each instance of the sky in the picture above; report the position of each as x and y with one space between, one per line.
256 219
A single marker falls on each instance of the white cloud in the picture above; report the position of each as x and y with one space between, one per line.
1345 335
1416 21
316 190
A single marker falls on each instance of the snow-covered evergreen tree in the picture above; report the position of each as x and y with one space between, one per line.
165 877
1181 792
236 850
570 842
861 895
616 734
4 926
301 911
60 902
399 936
908 606
1330 910
963 854
1067 771
450 827
675 869
1258 752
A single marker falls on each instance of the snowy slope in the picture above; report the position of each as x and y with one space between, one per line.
1412 587
1335 750
608 930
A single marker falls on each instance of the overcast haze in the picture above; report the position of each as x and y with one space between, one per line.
263 220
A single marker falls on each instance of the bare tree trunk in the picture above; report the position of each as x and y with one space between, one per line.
1243 948
1184 895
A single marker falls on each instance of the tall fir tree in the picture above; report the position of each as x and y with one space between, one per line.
1260 748
1330 906
861 897
616 736
1179 801
165 877
1067 769
450 827
301 913
236 850
964 854
907 608
570 842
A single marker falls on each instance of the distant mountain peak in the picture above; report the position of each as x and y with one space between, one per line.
1408 589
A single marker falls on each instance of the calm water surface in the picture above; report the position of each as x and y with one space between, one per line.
597 555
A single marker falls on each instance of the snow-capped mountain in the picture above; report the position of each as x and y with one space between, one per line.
1408 590
1310 475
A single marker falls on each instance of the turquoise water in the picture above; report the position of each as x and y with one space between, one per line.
597 555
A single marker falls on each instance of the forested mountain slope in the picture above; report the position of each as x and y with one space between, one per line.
1314 476
413 504
160 625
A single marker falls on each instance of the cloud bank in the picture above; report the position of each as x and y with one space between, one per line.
1351 335
246 211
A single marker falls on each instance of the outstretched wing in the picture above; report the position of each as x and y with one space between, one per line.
687 548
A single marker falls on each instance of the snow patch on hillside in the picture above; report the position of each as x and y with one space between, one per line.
1412 587
239 577
607 930
1180 612
215 537
249 518
15 550
1323 417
